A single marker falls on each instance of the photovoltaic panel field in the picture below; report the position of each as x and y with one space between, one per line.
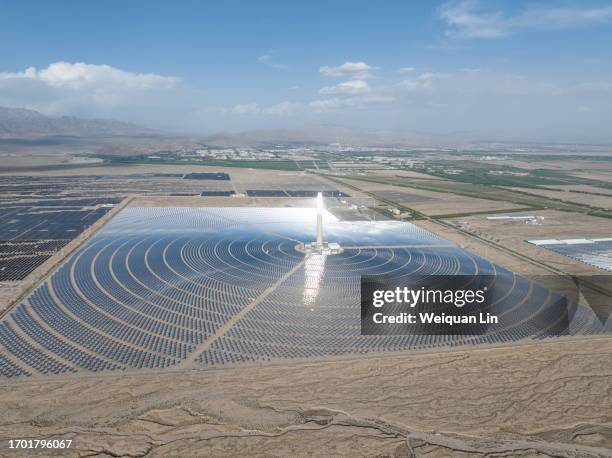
595 252
31 231
214 287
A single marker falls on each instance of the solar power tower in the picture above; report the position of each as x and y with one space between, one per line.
319 246
320 221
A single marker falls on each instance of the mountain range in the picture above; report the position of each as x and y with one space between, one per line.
326 134
24 123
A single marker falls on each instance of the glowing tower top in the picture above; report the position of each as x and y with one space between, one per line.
319 246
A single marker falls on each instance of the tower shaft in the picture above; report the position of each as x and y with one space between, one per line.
319 220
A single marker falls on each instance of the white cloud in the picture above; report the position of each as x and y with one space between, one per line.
327 104
354 93
346 87
246 108
350 102
478 100
89 76
561 17
466 19
423 82
472 19
354 69
478 84
594 86
283 108
268 59
407 69
91 90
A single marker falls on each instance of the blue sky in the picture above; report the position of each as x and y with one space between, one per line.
487 69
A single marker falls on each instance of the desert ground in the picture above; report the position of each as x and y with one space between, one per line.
554 225
540 399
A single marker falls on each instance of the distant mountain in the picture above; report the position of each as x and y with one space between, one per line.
20 123
327 134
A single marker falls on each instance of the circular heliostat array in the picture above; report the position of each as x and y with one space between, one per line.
161 287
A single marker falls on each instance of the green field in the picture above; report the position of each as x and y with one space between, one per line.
313 164
485 173
481 191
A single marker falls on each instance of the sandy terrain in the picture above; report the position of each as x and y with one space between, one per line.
513 234
487 251
545 399
18 160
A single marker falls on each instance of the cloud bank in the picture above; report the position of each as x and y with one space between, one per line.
354 69
92 90
476 19
79 76
485 102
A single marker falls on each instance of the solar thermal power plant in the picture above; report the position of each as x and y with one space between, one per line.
178 287
594 252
